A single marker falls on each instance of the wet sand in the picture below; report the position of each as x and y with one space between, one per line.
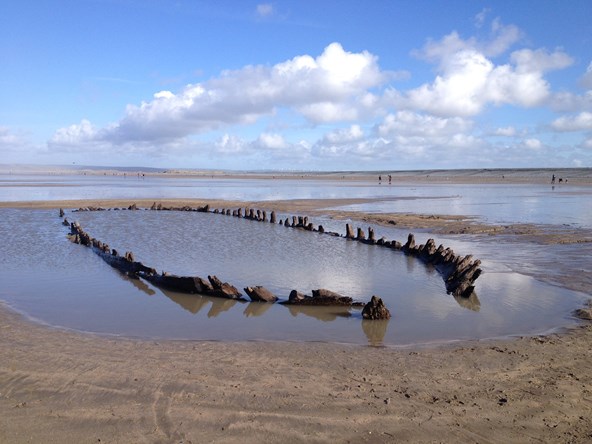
58 386
61 386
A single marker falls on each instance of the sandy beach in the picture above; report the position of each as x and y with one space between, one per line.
65 386
58 386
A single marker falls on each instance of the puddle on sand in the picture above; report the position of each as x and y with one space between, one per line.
63 284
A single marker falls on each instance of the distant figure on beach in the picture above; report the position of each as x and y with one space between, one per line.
379 179
390 179
553 179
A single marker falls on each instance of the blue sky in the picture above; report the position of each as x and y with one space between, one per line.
314 85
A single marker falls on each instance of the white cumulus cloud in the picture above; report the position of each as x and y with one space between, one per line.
408 123
533 144
331 87
469 81
364 119
580 122
272 141
345 135
508 131
75 134
502 38
229 144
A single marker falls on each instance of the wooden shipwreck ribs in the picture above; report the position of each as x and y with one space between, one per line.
459 272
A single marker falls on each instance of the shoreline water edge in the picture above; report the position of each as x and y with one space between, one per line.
64 386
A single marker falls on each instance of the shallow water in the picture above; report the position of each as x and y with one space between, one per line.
493 203
63 284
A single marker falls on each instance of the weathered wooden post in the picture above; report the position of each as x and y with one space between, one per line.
410 242
371 235
349 231
360 235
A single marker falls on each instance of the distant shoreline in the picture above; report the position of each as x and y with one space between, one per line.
574 176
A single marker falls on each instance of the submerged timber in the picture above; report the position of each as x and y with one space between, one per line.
459 272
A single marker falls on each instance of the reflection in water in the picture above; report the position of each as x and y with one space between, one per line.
256 308
410 263
321 313
193 303
139 284
98 299
430 269
220 305
375 331
471 303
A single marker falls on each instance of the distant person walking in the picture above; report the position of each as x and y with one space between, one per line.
553 179
390 179
379 179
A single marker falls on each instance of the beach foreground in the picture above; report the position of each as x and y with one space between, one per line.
60 386
64 386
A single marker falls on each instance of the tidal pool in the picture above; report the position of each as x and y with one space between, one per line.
62 284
